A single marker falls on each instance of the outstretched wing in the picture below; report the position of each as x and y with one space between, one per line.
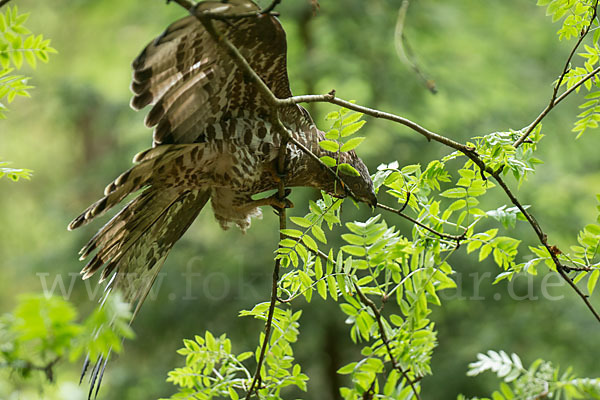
192 83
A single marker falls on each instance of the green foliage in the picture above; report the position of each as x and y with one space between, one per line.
583 258
578 21
42 331
576 14
212 370
18 44
39 330
14 174
105 329
346 123
540 380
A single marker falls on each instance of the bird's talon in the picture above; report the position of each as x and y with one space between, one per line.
281 203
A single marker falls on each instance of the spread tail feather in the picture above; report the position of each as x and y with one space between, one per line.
153 165
134 245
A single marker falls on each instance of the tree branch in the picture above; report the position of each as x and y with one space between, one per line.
3 3
369 303
544 240
568 61
551 106
330 98
377 312
404 50
554 100
467 151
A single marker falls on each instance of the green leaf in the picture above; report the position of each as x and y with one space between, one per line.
329 145
319 234
333 134
354 250
291 233
332 115
352 128
457 205
485 251
348 169
347 369
348 309
322 289
301 221
329 161
310 243
352 143
454 193
332 286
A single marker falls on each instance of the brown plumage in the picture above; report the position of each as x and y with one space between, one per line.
212 140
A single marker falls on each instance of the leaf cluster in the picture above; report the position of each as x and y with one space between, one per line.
14 174
540 380
338 139
41 331
213 370
18 45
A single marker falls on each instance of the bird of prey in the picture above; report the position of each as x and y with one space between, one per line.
213 140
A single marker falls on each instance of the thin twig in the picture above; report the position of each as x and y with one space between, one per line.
369 303
330 98
281 194
3 3
568 61
404 50
544 240
206 20
550 106
554 100
456 238
376 311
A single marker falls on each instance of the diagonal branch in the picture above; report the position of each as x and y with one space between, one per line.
553 104
404 50
554 100
369 303
330 98
269 324
456 238
544 240
377 312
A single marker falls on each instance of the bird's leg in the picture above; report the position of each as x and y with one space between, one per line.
272 169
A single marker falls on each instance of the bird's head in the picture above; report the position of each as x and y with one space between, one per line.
360 185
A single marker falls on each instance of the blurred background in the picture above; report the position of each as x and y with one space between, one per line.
493 64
